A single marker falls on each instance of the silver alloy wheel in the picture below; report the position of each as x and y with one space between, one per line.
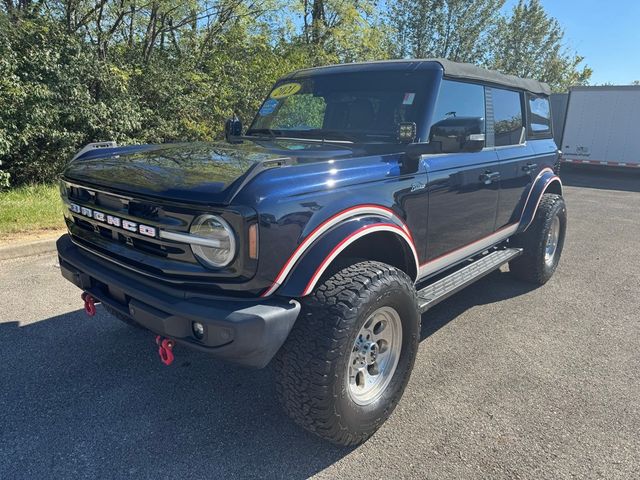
374 356
552 241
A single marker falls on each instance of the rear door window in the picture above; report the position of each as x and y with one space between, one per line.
507 115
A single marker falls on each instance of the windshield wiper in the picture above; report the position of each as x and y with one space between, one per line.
329 135
268 131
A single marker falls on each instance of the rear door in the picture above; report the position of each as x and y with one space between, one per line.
517 165
463 187
523 151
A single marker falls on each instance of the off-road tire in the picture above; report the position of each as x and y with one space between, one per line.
531 265
121 317
311 367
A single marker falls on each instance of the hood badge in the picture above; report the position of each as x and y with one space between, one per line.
146 230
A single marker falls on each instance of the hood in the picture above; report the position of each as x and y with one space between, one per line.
207 173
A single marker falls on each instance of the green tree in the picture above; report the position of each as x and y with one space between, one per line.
530 43
78 71
338 31
452 29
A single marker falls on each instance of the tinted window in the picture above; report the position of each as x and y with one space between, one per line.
303 111
507 115
457 99
539 117
367 106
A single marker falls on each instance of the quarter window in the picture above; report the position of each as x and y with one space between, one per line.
539 117
507 115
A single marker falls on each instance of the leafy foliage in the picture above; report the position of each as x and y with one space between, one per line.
453 29
528 43
77 71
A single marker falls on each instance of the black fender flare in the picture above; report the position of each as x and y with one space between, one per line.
546 179
317 251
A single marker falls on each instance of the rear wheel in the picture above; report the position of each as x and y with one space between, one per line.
349 356
542 242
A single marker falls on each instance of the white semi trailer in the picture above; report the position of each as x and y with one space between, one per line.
602 126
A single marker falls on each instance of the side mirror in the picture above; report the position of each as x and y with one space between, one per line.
414 151
232 130
459 134
474 142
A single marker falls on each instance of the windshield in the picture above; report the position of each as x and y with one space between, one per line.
356 107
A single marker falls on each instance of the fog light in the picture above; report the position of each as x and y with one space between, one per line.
198 330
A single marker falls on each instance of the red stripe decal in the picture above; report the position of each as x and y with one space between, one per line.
340 246
309 239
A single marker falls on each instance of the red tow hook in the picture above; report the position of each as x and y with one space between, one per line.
89 304
165 349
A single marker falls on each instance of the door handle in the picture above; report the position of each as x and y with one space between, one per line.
488 177
529 167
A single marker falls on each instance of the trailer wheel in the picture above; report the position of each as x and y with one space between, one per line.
349 356
542 242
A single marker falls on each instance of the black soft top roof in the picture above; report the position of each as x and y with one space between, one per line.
463 71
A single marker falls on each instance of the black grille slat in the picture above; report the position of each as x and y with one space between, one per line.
144 210
94 233
110 202
166 260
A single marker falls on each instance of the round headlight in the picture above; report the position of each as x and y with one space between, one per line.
218 245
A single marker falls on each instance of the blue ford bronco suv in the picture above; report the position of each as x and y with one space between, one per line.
360 196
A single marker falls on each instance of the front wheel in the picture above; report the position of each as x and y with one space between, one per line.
349 356
542 242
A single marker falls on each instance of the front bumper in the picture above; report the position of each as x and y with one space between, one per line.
246 332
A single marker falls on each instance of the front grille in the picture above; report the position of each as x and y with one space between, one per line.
164 259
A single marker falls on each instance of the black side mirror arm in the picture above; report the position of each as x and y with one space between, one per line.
233 130
414 152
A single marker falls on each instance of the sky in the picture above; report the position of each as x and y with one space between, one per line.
606 33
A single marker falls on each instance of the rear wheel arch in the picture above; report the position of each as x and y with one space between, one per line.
554 186
547 182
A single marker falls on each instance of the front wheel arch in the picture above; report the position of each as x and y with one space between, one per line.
383 247
364 236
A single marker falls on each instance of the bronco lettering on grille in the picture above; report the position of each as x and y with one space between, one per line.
114 221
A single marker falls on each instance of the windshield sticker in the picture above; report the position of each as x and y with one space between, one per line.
268 107
408 98
285 90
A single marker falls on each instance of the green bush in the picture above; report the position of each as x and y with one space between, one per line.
57 95
74 72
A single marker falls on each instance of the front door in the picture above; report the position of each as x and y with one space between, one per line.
463 187
463 199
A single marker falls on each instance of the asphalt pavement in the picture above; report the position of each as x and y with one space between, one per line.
510 381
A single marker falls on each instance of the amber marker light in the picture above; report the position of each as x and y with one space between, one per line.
253 241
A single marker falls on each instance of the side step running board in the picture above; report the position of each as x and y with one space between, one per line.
456 281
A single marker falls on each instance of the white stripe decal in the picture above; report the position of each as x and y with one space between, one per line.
322 228
533 185
348 241
533 215
479 245
460 254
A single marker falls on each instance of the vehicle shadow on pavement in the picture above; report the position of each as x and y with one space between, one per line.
88 397
601 178
495 287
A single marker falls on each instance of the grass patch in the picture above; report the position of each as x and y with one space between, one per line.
30 209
